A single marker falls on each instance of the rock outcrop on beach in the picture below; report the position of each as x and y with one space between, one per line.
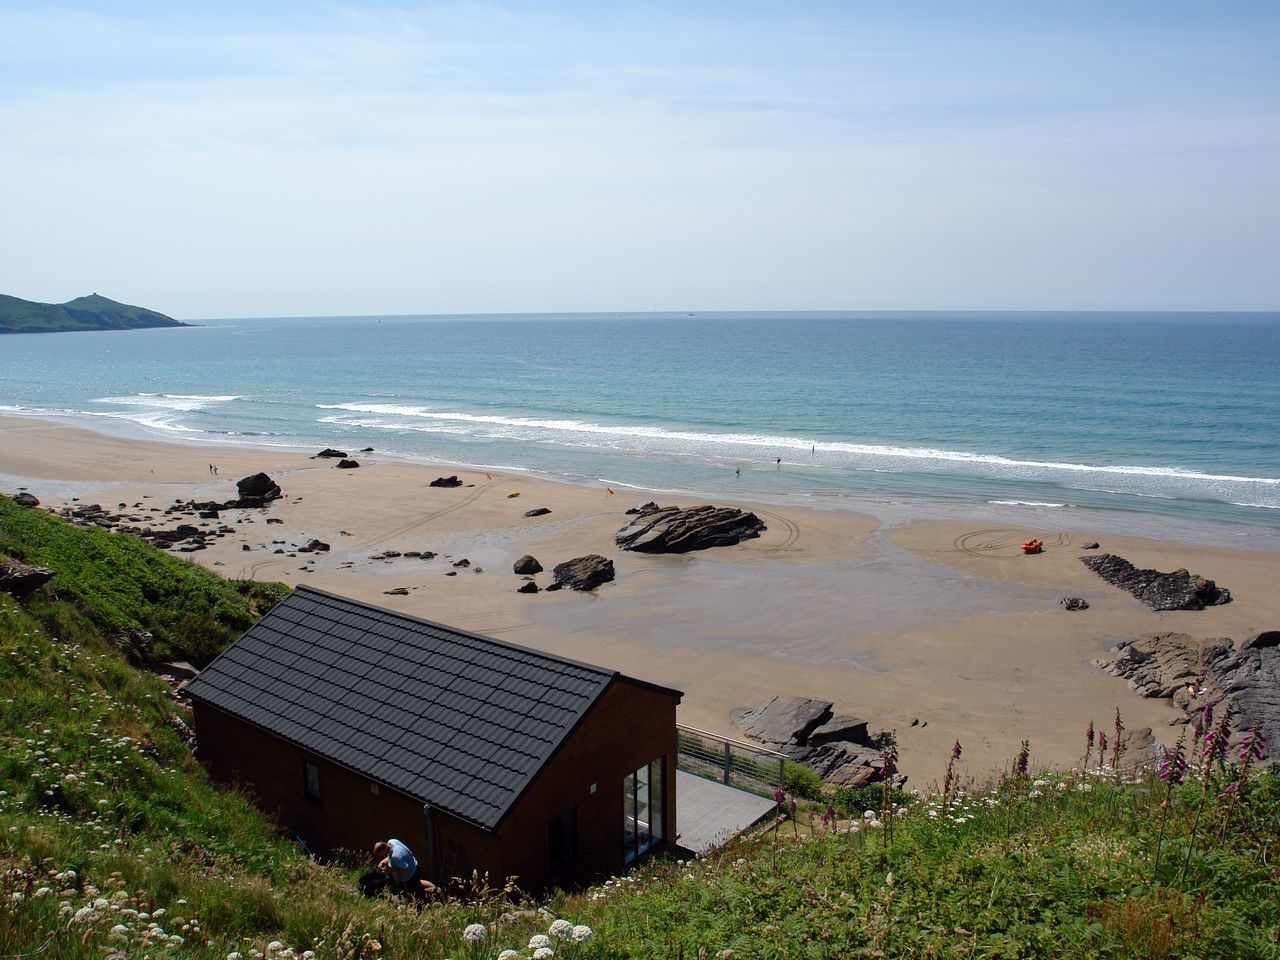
526 565
839 748
582 573
1178 590
445 482
24 499
658 529
330 453
1192 673
256 491
20 579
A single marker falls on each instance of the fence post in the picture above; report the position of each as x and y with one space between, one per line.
728 762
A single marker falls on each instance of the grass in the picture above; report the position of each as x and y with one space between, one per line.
113 844
122 587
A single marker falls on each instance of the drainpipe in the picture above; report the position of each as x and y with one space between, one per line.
429 813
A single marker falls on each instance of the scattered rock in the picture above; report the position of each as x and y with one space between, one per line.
527 587
526 565
1074 603
397 592
582 573
347 464
464 562
329 452
25 499
1092 545
1178 590
673 530
537 512
445 482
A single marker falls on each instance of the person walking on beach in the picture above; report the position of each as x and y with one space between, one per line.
397 861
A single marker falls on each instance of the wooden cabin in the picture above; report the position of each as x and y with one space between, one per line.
351 724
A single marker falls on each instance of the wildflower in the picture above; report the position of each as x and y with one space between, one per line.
829 815
538 941
475 933
582 933
561 929
508 955
542 953
1254 745
1173 765
1024 759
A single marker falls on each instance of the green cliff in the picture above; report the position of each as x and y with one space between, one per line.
83 313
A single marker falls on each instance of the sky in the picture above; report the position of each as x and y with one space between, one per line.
239 159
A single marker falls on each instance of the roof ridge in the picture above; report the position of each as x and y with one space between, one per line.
483 638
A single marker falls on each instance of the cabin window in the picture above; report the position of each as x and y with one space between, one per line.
312 780
642 809
562 837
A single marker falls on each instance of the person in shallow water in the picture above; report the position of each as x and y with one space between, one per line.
397 861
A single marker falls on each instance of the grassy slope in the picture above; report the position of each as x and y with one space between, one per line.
110 839
93 312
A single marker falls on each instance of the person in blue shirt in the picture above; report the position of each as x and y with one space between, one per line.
397 861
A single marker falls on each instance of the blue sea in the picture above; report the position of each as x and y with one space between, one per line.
1154 424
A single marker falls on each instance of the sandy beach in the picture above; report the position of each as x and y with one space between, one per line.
940 630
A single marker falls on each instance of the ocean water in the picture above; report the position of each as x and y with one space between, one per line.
1165 425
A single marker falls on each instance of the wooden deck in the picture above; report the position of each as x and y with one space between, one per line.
709 814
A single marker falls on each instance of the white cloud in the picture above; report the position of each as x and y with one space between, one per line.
473 157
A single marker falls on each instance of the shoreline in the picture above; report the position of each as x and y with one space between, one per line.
936 620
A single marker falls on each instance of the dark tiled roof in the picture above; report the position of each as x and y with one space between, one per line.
454 719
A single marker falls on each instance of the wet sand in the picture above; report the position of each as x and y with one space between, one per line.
940 630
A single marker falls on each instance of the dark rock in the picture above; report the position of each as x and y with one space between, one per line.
528 587
25 499
526 565
841 728
840 749
783 721
1074 603
445 482
673 530
464 562
1092 545
257 490
844 764
132 644
583 573
208 515
274 520
329 452
537 512
451 573
366 449
245 546
21 580
397 592
1178 590
347 464
1192 673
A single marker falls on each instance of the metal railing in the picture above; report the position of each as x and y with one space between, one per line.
732 762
